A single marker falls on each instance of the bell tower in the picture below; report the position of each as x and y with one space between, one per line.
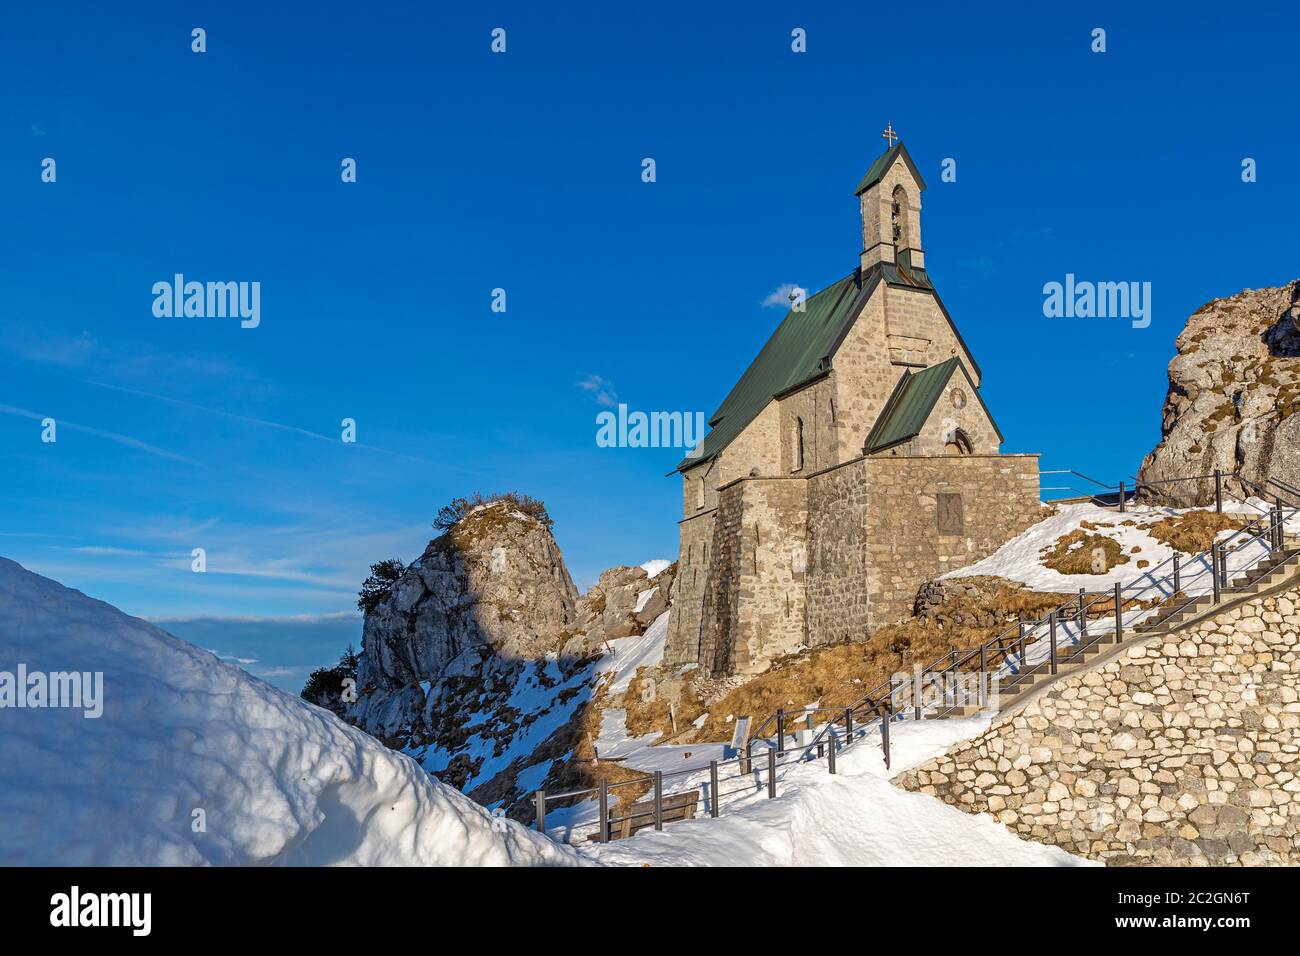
890 198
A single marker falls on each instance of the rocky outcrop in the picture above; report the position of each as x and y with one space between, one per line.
1234 396
491 590
494 584
622 603
480 660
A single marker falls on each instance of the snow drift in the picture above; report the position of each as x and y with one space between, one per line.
193 761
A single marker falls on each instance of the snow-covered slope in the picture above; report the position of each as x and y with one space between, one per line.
194 761
1021 558
855 818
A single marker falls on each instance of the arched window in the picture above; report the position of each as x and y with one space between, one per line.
699 497
958 443
796 445
901 218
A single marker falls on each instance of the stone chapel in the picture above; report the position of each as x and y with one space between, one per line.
853 461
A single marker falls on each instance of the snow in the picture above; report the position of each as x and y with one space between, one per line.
643 599
186 738
854 818
652 568
538 693
1020 559
630 653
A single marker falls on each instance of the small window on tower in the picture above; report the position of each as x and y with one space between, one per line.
796 446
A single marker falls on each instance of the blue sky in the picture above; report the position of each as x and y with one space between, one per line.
522 171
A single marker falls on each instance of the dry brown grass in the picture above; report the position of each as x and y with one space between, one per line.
1193 531
1073 553
647 703
837 676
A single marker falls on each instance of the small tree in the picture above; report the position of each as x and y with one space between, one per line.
376 587
326 686
458 508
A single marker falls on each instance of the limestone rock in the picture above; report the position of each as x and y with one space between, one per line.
1234 395
493 587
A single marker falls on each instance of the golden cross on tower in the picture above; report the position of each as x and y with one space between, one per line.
889 134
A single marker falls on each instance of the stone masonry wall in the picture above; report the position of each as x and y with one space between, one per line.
837 551
772 620
814 405
752 605
682 645
719 607
1179 751
915 313
911 529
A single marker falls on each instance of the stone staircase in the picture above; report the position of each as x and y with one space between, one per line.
1072 658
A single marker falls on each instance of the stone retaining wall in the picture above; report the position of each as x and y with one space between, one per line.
1178 751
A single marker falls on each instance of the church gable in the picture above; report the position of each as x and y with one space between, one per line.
933 412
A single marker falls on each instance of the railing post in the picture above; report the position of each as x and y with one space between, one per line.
1119 614
1083 615
830 757
539 799
713 789
884 729
1277 527
953 678
780 733
1020 625
659 799
1218 491
1051 626
984 671
1121 497
604 811
745 762
1214 573
771 774
848 725
1178 574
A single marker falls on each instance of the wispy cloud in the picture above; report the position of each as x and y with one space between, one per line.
600 389
232 658
69 351
779 298
267 423
126 440
255 619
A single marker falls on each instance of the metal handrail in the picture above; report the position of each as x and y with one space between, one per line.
1079 474
1009 648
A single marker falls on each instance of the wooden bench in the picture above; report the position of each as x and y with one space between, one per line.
625 821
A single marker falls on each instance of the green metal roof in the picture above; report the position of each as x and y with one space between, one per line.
799 350
911 403
882 164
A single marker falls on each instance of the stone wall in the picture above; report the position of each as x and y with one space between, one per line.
926 516
814 405
863 378
752 604
1178 751
838 609
720 607
772 620
916 313
682 645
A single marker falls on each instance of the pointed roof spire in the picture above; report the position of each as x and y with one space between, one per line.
882 164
